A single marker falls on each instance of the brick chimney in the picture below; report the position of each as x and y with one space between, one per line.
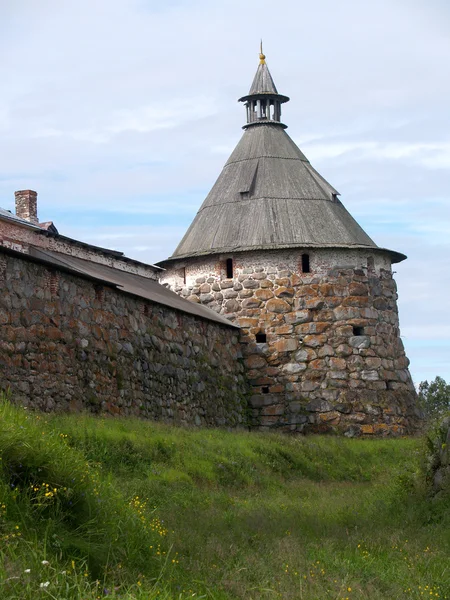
26 205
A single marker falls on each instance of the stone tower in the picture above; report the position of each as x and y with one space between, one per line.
274 249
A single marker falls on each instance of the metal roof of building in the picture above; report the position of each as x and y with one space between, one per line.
48 228
126 282
9 216
268 196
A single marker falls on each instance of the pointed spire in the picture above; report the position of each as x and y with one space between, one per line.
263 82
263 102
262 58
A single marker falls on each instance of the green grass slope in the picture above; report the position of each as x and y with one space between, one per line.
111 508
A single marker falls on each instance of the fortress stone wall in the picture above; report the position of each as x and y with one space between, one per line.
322 349
68 343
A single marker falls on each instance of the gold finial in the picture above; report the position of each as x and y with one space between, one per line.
262 57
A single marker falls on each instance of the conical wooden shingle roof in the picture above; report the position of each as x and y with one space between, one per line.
268 195
263 82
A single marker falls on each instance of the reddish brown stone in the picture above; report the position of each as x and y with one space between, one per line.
266 283
344 313
367 429
256 361
277 305
337 363
251 303
264 294
299 316
305 290
276 389
249 312
381 428
271 319
315 327
283 329
272 371
314 340
285 345
283 281
314 303
284 292
326 289
332 302
332 417
359 301
344 350
324 315
314 375
358 289
261 381
317 364
247 322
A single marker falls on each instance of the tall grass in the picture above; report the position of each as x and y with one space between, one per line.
132 509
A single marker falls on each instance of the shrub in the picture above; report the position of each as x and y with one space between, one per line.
434 397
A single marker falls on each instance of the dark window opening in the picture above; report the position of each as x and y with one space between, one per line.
261 338
229 268
370 263
54 283
358 330
265 389
305 263
184 275
99 293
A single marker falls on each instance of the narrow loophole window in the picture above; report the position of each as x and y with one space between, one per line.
265 389
370 263
184 275
261 338
358 330
54 283
229 268
99 293
305 263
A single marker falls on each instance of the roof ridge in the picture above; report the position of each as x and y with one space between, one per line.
250 199
234 162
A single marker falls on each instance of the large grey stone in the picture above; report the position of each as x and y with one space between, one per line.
359 341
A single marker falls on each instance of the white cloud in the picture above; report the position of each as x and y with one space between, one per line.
433 155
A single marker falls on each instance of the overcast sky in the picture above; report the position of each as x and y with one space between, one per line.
121 114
